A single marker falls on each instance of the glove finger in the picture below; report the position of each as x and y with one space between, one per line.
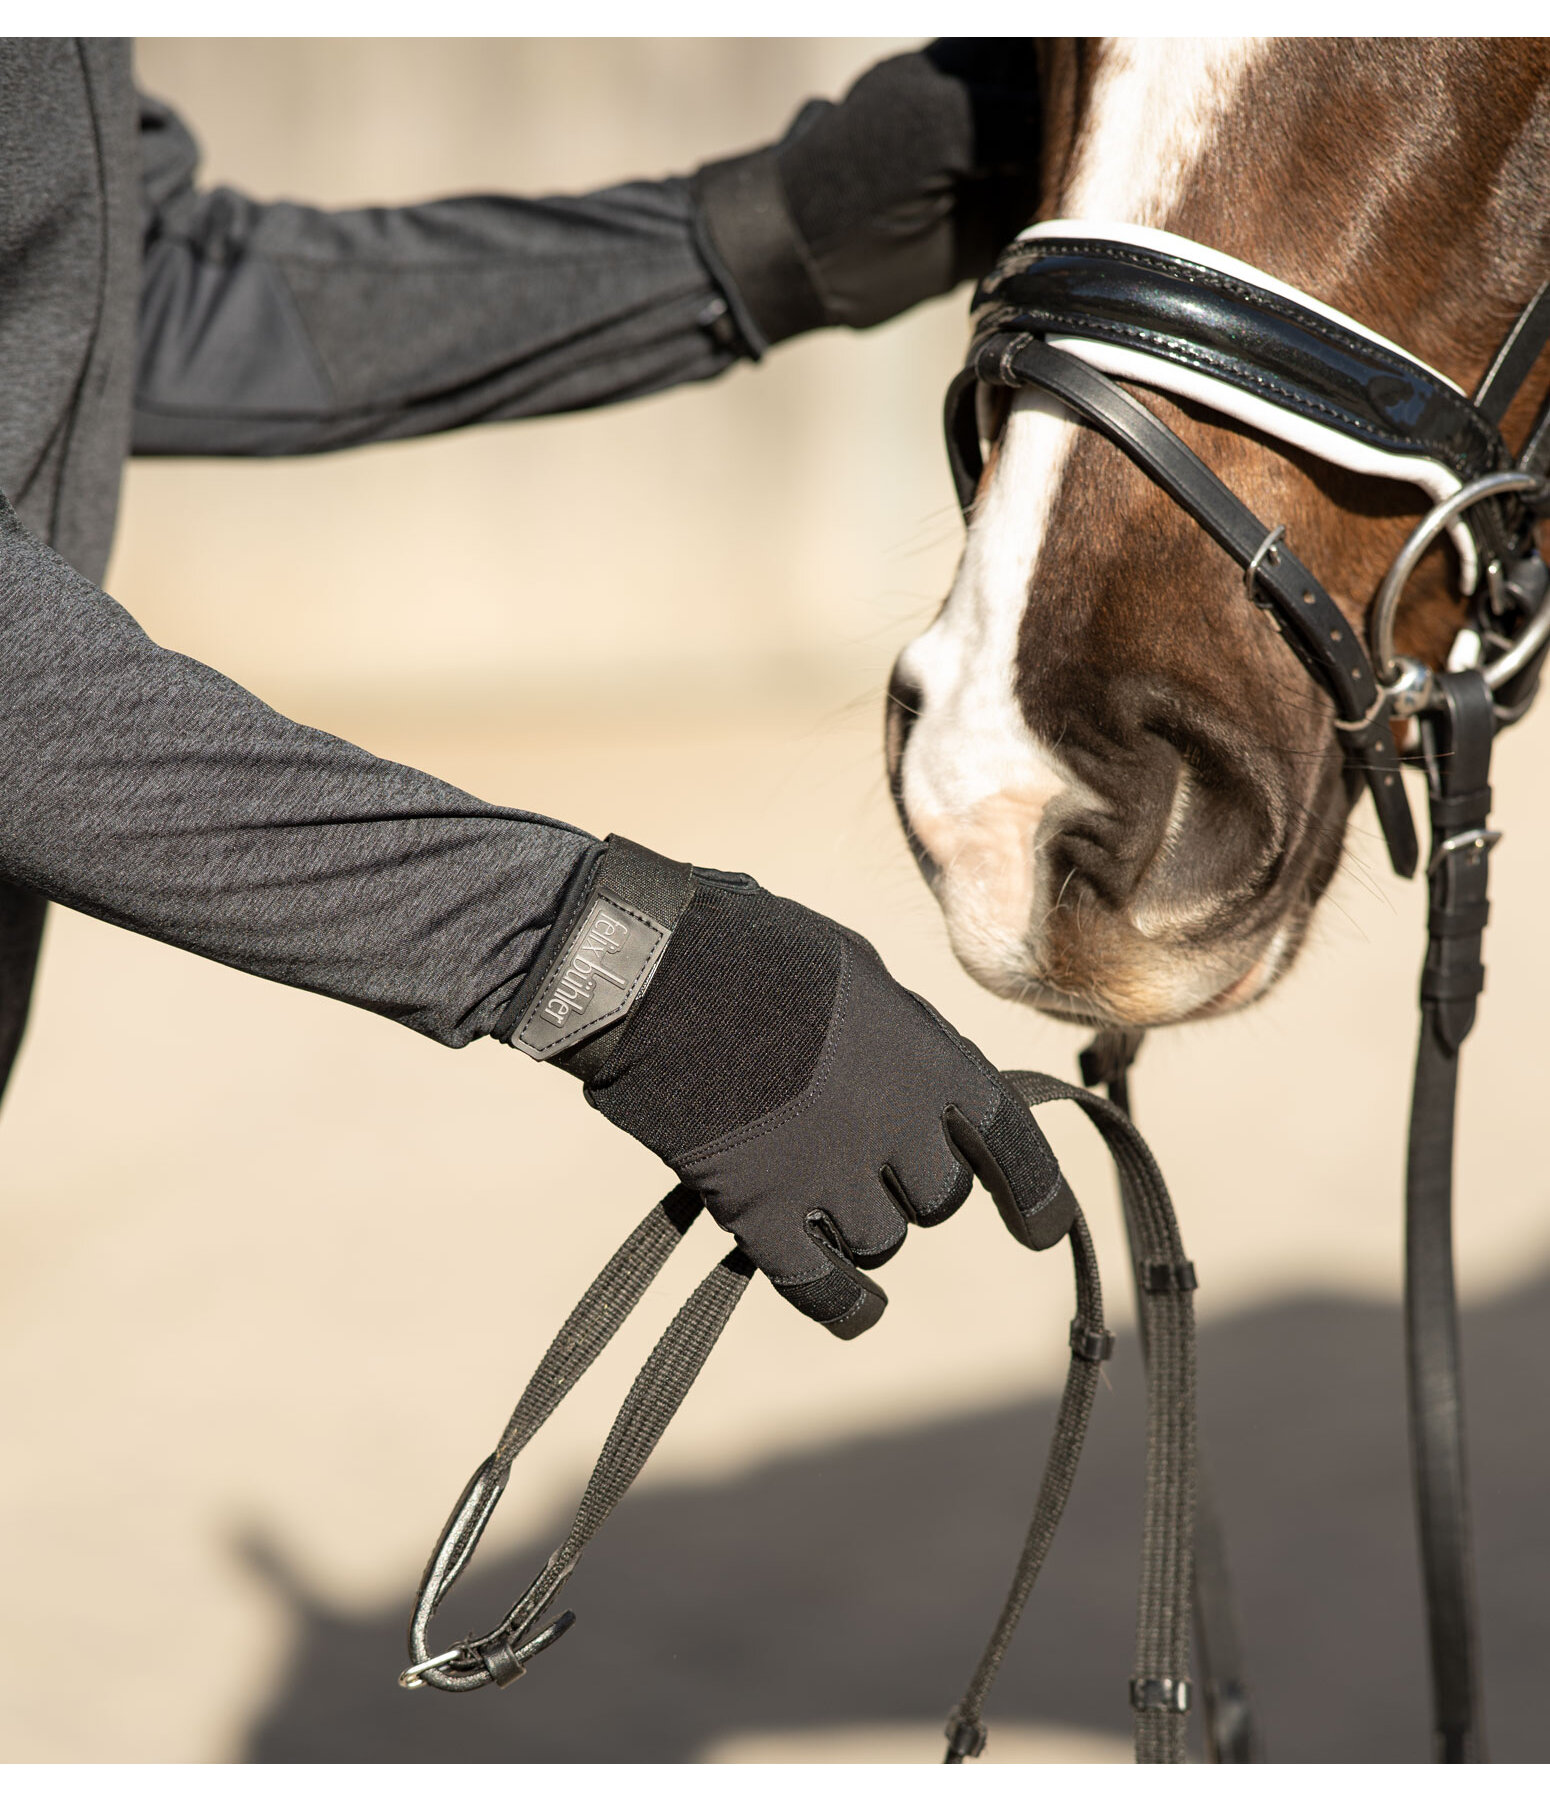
844 1300
1013 1160
869 1221
921 1195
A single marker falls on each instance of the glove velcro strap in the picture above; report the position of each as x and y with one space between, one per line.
751 243
600 955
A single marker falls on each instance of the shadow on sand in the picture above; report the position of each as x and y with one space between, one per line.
857 1583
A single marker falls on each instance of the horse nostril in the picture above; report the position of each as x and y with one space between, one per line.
901 711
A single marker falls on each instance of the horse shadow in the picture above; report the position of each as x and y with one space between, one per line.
858 1582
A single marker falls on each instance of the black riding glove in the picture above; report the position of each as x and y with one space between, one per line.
769 1058
911 184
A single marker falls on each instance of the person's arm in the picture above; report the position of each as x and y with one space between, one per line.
146 789
278 329
761 1050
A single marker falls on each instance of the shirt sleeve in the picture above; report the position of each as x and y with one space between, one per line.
277 329
144 788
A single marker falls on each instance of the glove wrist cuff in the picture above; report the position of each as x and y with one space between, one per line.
752 246
599 957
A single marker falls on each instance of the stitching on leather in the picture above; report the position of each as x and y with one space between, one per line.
1261 298
887 1246
1265 301
630 995
1241 375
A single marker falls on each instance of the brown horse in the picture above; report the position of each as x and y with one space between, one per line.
1126 793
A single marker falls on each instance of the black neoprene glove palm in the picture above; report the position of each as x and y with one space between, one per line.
769 1058
911 184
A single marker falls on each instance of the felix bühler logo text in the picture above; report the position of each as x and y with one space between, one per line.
604 936
607 961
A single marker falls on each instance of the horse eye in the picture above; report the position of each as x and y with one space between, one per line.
990 408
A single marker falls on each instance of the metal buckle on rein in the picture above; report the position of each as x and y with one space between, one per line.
1267 553
496 1658
1476 842
500 1658
501 1655
410 1678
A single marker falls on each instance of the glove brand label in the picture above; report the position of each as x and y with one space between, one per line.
607 961
585 966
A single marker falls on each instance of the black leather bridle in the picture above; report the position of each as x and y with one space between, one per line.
1069 307
1197 329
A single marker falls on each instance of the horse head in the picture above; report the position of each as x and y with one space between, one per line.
1124 790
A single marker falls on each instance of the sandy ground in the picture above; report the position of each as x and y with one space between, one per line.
274 1272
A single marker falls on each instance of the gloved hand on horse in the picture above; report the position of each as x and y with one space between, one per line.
909 185
766 1055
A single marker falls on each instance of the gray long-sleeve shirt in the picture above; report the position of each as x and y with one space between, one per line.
277 329
143 787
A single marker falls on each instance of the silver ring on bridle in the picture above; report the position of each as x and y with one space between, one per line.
1405 678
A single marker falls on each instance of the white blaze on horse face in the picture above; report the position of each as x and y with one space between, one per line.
975 783
1154 108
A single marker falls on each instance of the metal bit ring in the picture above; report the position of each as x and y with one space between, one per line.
1442 515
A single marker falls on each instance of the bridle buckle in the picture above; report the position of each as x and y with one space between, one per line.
1474 842
1268 555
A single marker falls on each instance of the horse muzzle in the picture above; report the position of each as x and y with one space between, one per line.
1143 895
